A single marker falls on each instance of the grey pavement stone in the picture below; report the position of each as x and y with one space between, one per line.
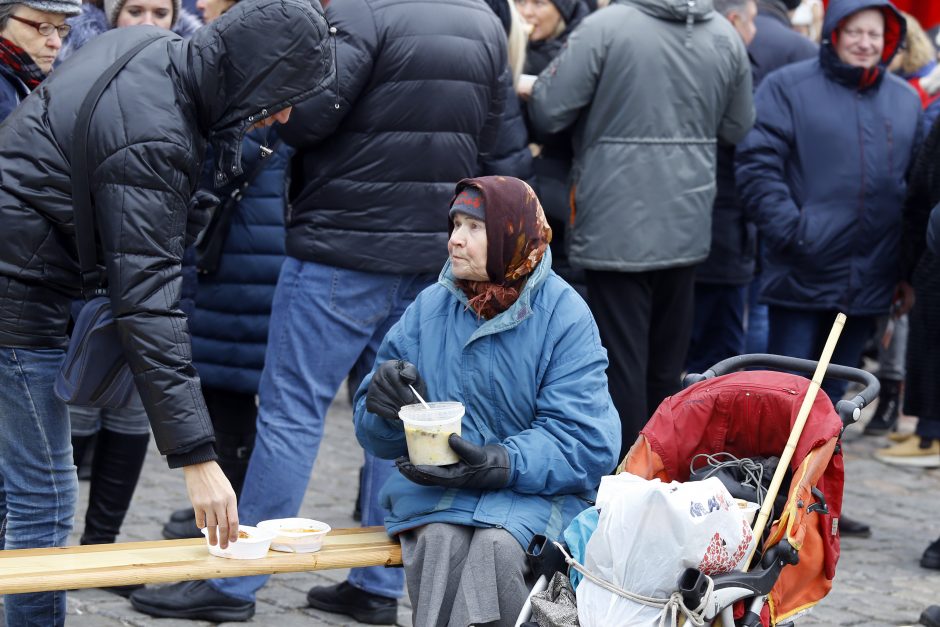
878 581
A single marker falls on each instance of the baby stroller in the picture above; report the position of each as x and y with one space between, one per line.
750 414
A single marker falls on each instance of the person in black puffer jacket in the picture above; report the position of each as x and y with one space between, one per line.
147 138
419 96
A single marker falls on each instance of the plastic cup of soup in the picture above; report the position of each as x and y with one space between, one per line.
253 543
427 430
296 535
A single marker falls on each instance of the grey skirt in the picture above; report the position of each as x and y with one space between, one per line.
460 576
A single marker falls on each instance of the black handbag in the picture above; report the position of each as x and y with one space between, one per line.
95 372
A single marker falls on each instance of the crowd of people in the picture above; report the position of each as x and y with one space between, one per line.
618 191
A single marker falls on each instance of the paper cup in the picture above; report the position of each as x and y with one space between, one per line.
253 543
427 430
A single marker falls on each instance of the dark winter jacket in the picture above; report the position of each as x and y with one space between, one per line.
776 44
233 304
732 259
510 155
12 91
421 94
824 174
147 139
644 168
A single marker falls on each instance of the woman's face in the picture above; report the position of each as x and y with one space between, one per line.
467 248
151 12
212 9
42 49
541 16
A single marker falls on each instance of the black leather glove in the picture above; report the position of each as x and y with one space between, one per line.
201 207
388 391
480 467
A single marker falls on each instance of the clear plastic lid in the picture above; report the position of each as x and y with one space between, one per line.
434 415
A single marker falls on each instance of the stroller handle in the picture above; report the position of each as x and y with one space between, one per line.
848 409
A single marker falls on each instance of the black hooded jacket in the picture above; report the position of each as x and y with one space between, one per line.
146 144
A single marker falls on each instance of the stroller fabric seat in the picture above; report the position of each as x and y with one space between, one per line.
751 414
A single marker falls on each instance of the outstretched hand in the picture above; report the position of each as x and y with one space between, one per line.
480 467
213 501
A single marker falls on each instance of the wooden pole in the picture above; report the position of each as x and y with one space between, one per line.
795 434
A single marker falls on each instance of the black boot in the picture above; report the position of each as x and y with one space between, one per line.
114 474
888 410
234 451
83 452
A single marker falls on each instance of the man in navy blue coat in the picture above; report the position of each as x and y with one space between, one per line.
824 174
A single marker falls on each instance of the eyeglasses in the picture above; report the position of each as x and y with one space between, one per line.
857 33
45 28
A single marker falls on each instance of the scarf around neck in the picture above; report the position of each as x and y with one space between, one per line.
517 235
21 63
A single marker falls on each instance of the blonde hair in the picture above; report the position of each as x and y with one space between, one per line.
518 42
918 51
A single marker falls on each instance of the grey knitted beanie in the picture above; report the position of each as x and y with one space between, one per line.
66 7
113 7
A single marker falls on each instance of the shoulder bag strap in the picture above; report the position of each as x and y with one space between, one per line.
84 216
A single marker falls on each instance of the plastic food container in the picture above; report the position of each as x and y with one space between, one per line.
427 430
748 509
296 535
253 543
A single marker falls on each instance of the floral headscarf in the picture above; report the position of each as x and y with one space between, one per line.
517 235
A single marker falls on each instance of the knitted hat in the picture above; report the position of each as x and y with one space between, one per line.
65 7
470 203
113 7
566 8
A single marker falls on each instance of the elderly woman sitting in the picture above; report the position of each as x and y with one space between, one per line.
504 335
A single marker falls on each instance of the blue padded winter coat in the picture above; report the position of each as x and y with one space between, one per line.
532 379
229 325
823 173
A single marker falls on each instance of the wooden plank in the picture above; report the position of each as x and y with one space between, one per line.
93 566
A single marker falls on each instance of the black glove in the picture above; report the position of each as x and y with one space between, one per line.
201 207
480 467
388 391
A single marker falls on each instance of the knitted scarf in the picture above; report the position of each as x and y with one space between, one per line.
21 63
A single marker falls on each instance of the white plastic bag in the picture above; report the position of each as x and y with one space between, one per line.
648 534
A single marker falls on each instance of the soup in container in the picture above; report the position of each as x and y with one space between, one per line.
427 430
253 543
296 535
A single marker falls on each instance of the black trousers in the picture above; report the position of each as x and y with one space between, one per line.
645 322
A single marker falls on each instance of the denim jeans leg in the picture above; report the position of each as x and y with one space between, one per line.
756 320
718 331
322 319
387 582
39 483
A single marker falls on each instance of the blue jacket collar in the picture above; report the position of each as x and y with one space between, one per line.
517 312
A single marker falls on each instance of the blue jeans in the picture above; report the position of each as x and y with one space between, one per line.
718 329
325 323
800 333
38 486
757 325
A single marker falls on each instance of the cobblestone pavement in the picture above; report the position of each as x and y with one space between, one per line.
879 581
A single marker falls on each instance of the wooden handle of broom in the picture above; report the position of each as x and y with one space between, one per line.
795 434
